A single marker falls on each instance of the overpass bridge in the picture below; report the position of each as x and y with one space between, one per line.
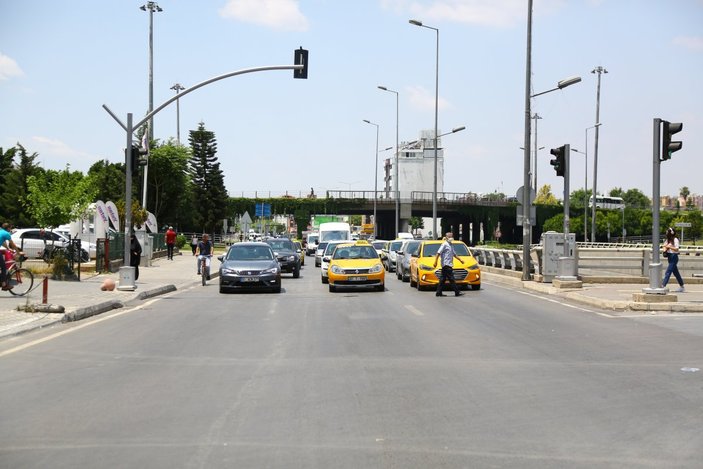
460 212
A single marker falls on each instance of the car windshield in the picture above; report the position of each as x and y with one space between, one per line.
378 244
460 249
355 252
411 247
281 244
321 247
330 248
312 239
249 253
395 245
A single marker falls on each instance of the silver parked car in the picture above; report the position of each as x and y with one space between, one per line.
406 251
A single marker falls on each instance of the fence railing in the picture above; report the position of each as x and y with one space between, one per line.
595 261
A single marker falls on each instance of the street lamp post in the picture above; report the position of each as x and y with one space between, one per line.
527 192
534 175
436 131
375 180
178 87
599 70
585 192
397 186
151 7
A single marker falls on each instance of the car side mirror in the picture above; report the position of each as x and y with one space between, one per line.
221 258
415 254
326 258
400 253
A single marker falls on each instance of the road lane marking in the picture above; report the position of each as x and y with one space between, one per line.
414 310
552 300
78 327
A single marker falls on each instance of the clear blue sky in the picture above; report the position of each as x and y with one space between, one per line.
60 61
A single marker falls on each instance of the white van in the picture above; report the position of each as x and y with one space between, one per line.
335 232
311 246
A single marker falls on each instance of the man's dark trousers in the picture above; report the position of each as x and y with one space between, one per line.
447 274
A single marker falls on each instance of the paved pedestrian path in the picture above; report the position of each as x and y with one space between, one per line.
73 300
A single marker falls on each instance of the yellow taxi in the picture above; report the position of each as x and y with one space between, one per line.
423 273
356 265
299 249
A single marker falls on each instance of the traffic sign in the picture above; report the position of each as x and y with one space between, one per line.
683 224
520 192
246 218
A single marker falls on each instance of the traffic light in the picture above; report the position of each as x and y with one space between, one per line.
138 157
669 147
300 57
559 162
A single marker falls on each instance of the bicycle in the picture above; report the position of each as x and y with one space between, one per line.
19 281
204 269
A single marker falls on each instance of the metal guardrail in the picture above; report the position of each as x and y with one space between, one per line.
604 261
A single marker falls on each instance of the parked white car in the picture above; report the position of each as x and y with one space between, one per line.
31 242
329 250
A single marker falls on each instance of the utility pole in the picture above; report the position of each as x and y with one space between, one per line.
599 70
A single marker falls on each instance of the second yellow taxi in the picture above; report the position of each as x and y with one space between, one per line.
423 272
356 265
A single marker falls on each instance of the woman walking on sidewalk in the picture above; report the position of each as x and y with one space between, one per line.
194 243
671 252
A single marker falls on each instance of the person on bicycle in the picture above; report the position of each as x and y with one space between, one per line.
5 244
204 252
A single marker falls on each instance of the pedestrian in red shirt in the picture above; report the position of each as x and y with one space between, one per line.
170 241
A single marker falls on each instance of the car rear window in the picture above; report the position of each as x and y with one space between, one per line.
249 253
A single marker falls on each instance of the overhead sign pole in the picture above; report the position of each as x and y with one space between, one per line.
126 274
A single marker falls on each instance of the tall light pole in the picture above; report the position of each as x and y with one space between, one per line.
599 70
436 130
178 87
375 180
152 7
397 186
585 191
527 190
534 175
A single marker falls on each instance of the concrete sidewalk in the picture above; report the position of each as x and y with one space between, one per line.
73 300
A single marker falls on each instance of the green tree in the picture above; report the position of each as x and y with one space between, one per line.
16 186
109 179
416 223
168 175
57 197
545 196
7 199
210 195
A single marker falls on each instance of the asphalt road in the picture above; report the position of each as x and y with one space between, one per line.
312 379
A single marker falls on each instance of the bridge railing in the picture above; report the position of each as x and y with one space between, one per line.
595 261
424 197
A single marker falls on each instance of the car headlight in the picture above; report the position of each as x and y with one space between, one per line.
291 258
426 267
376 269
474 267
336 270
229 272
272 270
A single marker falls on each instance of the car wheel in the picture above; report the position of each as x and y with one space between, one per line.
381 288
296 272
412 282
333 288
325 280
398 274
476 287
405 278
277 289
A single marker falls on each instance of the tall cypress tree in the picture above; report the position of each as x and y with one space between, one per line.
210 195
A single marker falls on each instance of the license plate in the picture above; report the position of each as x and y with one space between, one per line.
250 279
357 279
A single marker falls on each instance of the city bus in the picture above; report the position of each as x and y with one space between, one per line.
607 202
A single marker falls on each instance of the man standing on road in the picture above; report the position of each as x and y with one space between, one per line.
135 254
170 242
446 252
